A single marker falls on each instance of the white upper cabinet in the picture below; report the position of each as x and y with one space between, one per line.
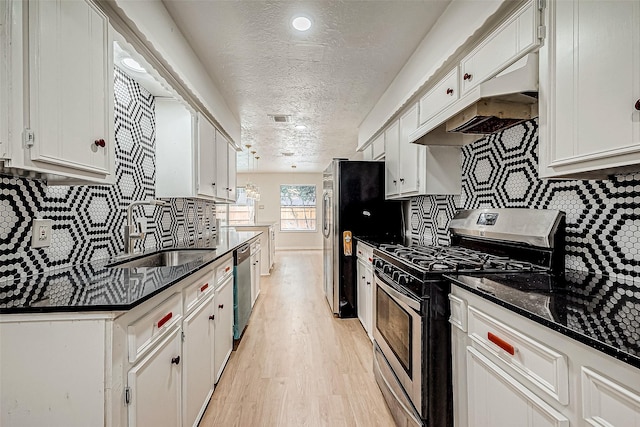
222 167
206 161
590 88
443 94
63 61
413 169
392 159
189 158
232 178
225 169
516 36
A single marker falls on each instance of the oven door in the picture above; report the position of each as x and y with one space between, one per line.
398 333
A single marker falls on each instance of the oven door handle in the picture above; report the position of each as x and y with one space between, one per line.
406 300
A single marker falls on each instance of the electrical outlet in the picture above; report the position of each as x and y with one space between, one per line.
41 233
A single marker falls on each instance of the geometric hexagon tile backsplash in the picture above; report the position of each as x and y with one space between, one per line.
88 220
501 170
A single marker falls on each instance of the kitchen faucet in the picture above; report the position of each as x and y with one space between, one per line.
130 232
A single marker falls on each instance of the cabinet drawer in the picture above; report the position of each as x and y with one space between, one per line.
223 270
196 292
148 329
441 96
458 316
546 368
364 252
607 403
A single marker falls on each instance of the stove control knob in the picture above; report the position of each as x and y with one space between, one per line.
403 280
396 275
387 269
378 263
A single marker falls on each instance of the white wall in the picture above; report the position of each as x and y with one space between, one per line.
268 209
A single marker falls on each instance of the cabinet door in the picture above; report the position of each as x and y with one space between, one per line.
589 87
222 166
495 399
443 94
252 260
368 300
232 179
409 154
258 269
392 159
223 326
362 294
514 38
197 368
71 86
154 386
206 158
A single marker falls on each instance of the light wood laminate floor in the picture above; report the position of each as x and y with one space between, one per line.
297 365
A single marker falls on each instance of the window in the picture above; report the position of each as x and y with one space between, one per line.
243 212
298 207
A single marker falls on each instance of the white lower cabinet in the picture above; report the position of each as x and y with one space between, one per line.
255 271
197 369
504 376
153 365
224 326
154 386
497 399
365 295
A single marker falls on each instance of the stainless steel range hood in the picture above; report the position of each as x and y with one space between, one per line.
501 102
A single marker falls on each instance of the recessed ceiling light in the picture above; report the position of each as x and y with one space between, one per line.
301 23
133 65
301 127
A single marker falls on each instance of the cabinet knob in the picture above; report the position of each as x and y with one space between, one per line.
175 360
638 105
221 306
100 142
395 182
402 180
212 317
449 91
467 76
368 282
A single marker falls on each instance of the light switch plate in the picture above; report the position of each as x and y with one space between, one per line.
41 233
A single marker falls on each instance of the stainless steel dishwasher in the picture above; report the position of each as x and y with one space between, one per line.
241 289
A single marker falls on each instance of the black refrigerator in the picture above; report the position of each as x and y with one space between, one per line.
353 205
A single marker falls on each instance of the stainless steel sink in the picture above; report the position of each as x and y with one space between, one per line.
163 259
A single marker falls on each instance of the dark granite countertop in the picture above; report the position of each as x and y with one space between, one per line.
376 241
94 286
596 310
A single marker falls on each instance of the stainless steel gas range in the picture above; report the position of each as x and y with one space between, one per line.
412 349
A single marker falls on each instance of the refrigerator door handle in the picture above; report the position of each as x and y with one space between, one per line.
325 220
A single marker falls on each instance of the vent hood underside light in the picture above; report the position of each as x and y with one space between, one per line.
493 115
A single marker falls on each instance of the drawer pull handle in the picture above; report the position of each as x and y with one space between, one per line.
638 105
204 287
221 306
175 360
467 76
100 142
370 259
501 343
449 91
227 269
165 319
212 317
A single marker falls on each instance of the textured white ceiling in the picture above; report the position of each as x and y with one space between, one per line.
327 78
